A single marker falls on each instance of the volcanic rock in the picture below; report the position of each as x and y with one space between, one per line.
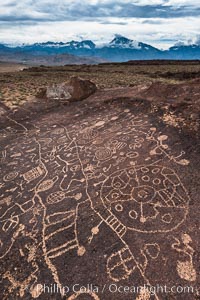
77 89
82 88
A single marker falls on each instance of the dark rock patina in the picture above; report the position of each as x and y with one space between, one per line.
99 194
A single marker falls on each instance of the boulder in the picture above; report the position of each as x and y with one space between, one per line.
77 89
81 89
61 91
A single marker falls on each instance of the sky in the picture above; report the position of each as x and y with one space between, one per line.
161 23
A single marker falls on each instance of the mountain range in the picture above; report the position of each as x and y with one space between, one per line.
120 49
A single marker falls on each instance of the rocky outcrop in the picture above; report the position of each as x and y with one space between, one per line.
173 94
77 89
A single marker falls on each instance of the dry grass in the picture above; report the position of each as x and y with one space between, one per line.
19 87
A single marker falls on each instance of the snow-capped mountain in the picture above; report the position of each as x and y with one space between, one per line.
87 44
122 49
123 43
118 50
184 52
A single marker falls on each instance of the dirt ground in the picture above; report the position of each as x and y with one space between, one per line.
170 86
18 87
11 67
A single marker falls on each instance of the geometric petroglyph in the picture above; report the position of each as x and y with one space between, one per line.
120 264
55 197
10 176
33 174
146 198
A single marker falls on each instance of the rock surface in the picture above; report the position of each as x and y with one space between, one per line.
97 194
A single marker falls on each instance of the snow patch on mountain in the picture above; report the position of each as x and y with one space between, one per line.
122 42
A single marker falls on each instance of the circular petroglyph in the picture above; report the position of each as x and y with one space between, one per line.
119 207
156 181
146 178
143 194
155 199
152 250
155 170
103 154
45 185
132 154
133 214
10 176
145 170
167 218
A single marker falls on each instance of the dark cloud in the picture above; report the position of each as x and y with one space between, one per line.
22 19
127 10
89 12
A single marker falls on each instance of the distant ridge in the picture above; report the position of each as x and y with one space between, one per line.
120 49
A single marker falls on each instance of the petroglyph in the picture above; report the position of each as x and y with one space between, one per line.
185 268
118 166
146 198
91 294
144 295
